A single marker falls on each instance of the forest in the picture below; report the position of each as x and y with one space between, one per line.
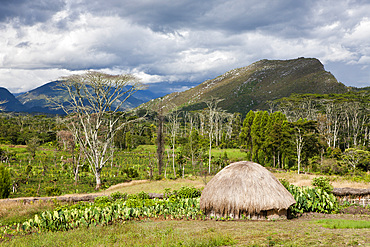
325 134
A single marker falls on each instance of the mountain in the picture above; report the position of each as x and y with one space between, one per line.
251 87
36 99
10 103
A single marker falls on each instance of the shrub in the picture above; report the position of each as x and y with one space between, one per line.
118 195
284 182
102 200
322 183
141 195
52 191
5 182
312 200
130 172
187 192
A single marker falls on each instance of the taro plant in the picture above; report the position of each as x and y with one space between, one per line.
312 200
322 183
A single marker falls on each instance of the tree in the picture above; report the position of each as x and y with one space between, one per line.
301 129
354 156
160 143
212 107
275 135
95 113
5 184
173 126
32 145
245 134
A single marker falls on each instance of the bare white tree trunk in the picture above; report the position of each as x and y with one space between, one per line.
299 145
95 113
212 107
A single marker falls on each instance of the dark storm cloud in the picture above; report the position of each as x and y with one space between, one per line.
230 16
180 40
29 11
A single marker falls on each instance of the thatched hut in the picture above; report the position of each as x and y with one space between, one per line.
245 189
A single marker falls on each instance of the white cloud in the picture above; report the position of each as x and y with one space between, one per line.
22 80
161 41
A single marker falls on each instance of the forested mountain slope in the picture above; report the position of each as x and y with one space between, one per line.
36 100
251 87
9 102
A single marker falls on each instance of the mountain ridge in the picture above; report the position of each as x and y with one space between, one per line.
250 87
242 89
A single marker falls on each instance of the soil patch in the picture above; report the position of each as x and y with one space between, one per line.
355 210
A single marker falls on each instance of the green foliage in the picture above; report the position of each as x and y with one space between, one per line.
102 200
285 183
187 192
130 172
5 182
322 183
32 145
86 215
52 191
312 200
343 224
118 195
140 196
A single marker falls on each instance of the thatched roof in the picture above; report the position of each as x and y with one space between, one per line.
244 187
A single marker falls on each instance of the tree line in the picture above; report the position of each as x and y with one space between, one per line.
327 133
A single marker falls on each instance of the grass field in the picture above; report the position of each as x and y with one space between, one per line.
331 230
297 232
309 230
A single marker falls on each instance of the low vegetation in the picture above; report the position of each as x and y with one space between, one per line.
344 224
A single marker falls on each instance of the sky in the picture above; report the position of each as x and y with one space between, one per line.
176 44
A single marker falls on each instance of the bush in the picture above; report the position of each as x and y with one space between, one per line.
141 195
312 200
118 195
102 200
285 183
187 192
130 172
5 182
322 183
52 191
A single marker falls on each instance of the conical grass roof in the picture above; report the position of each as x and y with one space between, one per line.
244 187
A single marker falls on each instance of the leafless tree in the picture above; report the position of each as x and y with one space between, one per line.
212 108
173 126
95 113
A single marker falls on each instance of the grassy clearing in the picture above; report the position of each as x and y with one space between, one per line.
306 180
343 224
298 232
157 186
232 154
17 212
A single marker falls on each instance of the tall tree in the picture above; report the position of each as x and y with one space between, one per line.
301 129
95 113
160 142
212 112
173 126
245 132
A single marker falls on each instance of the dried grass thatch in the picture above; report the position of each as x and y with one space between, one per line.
245 188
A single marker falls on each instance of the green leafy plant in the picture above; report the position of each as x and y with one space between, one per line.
284 182
322 183
342 224
187 192
52 191
118 195
5 182
312 200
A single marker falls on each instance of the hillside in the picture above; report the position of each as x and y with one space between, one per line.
10 103
250 87
36 99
